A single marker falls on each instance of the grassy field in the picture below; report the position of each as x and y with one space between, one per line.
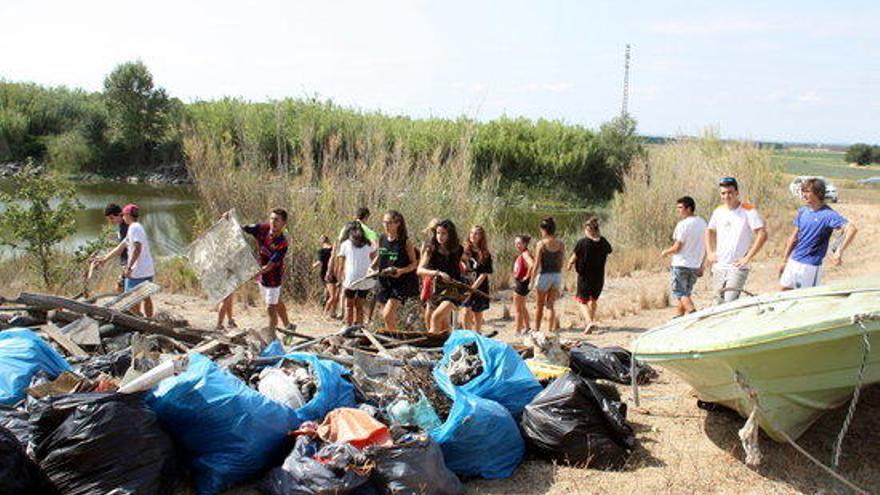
829 164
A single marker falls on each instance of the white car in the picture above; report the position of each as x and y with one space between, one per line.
830 189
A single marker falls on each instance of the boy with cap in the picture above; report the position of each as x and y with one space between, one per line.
734 236
139 267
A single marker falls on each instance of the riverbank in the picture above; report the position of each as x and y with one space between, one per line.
169 174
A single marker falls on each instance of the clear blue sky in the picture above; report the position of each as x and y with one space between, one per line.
796 71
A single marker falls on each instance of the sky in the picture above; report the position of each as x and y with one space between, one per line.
805 71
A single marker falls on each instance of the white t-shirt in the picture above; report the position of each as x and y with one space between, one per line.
734 232
143 267
357 262
690 232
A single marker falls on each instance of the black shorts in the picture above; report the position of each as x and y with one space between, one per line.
590 288
356 294
477 303
401 289
521 287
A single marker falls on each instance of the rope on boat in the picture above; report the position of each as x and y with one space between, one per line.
752 395
858 319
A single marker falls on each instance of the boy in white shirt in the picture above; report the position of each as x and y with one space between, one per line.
139 266
688 251
734 236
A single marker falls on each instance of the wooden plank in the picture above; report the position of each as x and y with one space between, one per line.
378 345
128 300
83 331
68 345
190 335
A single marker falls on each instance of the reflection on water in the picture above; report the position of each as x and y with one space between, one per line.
167 212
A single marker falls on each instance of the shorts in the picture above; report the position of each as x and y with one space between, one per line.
799 275
400 289
589 289
356 293
683 281
131 283
330 278
547 281
521 287
270 294
476 303
728 278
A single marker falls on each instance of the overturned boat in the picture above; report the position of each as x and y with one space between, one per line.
787 356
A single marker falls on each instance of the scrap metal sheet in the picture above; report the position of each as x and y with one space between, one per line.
222 259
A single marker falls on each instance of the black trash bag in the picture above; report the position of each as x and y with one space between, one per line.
413 466
111 445
114 364
303 474
18 473
608 363
47 414
574 422
16 421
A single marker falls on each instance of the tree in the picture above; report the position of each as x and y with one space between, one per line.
875 154
40 213
139 111
859 153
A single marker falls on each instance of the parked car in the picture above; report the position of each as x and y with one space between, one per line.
830 189
874 181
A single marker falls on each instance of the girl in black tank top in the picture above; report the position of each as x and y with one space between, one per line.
397 252
441 260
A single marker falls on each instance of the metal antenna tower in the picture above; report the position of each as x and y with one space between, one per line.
623 109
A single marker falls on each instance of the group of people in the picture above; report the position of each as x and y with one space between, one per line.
447 275
736 233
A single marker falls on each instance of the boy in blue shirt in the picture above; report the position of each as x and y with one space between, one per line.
808 243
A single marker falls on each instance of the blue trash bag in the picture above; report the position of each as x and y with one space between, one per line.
228 432
334 390
479 438
506 378
22 354
274 349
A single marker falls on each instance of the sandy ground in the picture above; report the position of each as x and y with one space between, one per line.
681 449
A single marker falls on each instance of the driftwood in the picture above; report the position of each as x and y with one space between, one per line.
64 341
378 345
144 325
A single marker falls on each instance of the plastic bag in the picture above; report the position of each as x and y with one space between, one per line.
479 438
114 364
413 466
19 475
16 421
280 387
22 354
111 445
273 349
608 363
573 421
230 433
354 427
505 378
333 389
47 414
303 474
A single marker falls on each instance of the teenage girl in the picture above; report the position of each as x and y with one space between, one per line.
397 253
588 259
546 273
521 268
480 267
441 260
331 289
355 255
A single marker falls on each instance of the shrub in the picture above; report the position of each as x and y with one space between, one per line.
68 153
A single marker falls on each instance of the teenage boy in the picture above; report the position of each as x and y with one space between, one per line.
687 250
734 236
113 214
139 267
272 248
808 243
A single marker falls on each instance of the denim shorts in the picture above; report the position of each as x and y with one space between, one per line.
547 281
131 283
683 280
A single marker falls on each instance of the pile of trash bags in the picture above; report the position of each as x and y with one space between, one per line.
608 363
138 422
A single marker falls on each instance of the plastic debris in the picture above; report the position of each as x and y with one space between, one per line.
335 469
608 363
354 427
574 422
505 378
331 388
229 432
22 354
421 414
18 473
413 466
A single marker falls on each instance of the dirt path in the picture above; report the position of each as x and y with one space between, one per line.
681 449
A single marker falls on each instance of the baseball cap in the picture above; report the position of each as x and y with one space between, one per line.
131 209
728 181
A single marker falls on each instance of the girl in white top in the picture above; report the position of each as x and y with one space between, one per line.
356 254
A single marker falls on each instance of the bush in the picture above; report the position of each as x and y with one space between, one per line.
68 153
859 153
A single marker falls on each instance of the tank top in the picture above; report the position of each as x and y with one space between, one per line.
392 253
520 268
551 262
448 263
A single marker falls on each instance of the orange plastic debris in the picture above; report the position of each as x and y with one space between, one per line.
353 426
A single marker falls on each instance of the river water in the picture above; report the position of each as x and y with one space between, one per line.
167 212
